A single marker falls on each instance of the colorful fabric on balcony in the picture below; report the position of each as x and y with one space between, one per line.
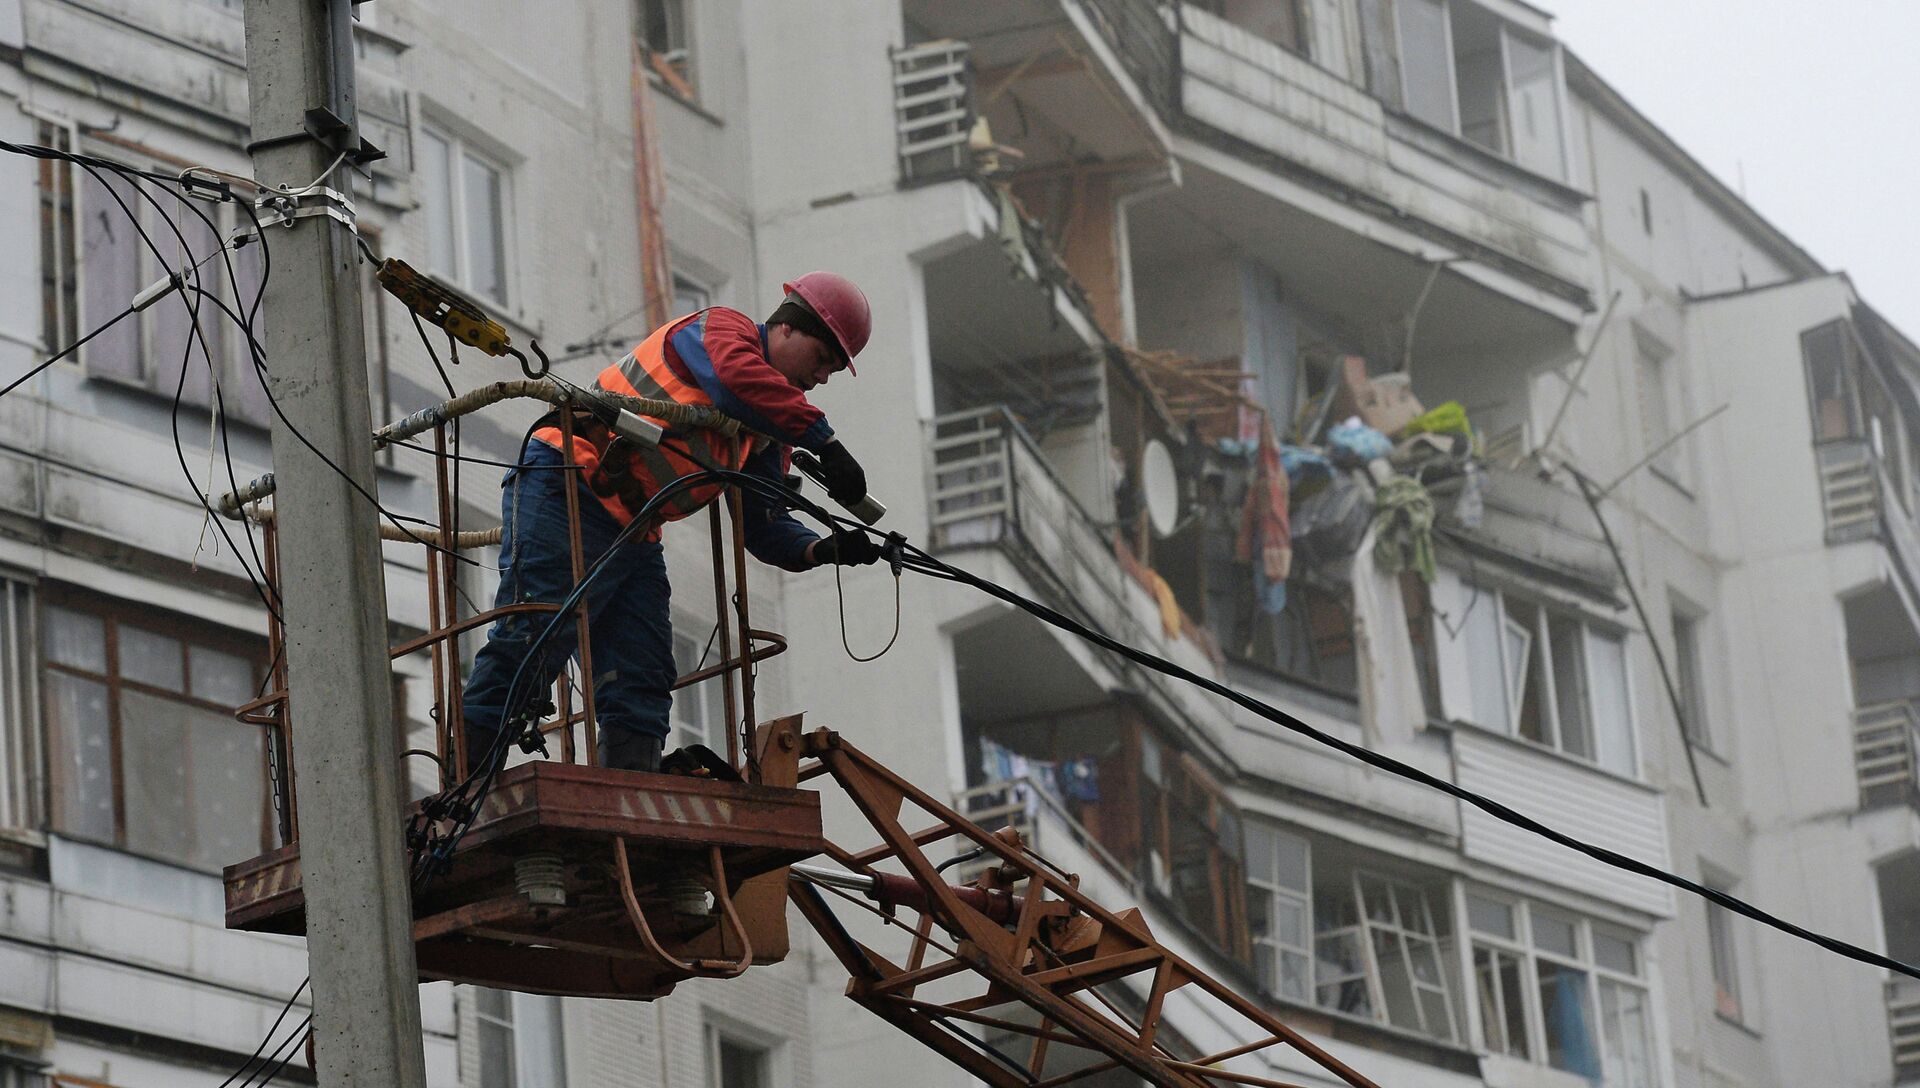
1403 527
1264 529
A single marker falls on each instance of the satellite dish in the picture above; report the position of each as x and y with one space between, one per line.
1161 486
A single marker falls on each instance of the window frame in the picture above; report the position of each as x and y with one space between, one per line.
709 696
1525 945
1454 122
23 741
1540 648
717 1035
459 151
148 369
677 74
1688 626
189 633
1344 881
1723 960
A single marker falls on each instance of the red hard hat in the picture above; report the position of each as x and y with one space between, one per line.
838 303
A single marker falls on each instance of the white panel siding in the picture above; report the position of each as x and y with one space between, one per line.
1568 797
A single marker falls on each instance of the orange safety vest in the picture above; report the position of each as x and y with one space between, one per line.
644 372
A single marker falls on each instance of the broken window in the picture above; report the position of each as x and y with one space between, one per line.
1379 948
1466 71
1562 990
1546 675
1331 931
145 752
663 33
1192 845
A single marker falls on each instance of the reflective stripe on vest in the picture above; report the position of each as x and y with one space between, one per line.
644 372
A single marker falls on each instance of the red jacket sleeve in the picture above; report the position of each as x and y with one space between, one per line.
725 354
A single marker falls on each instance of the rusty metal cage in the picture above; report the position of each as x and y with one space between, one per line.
572 878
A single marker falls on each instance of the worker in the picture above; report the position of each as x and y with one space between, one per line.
717 357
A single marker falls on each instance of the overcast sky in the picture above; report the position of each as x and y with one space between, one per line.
1811 109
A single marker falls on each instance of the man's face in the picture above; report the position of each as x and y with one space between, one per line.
800 358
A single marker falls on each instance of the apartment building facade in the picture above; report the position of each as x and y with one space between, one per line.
1091 230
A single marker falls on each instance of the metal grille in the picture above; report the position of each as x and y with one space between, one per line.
1849 490
1903 1029
932 108
1883 745
1142 32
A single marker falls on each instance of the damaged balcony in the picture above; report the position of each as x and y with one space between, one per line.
1428 123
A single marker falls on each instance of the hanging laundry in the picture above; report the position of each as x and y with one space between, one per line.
1266 539
1403 527
1079 779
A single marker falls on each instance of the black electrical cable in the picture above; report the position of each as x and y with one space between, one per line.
181 283
920 561
68 350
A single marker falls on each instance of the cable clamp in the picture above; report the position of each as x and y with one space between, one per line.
282 209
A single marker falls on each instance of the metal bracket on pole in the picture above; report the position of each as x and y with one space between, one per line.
287 207
325 128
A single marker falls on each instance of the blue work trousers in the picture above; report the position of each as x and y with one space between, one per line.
629 621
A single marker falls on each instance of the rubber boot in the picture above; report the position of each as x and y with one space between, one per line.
630 750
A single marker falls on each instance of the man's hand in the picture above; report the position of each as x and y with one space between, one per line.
846 548
846 480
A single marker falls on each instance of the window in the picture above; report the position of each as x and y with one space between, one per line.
700 710
732 1063
21 771
1662 409
1549 677
464 195
689 297
59 275
1725 961
1560 990
1331 932
1470 73
95 261
1280 910
520 1040
1689 676
1832 375
1192 837
1278 21
663 34
146 754
1377 951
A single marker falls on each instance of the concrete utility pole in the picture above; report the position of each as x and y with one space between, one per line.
366 1000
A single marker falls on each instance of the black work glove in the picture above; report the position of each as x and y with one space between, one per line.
846 548
846 480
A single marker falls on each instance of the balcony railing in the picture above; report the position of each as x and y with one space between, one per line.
992 485
1849 489
1886 737
932 108
1026 806
1141 32
1903 1029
